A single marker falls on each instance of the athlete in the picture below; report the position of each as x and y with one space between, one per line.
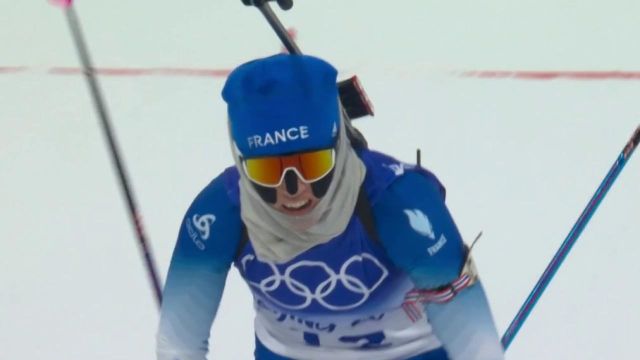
349 253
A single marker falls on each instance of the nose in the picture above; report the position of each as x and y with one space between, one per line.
291 182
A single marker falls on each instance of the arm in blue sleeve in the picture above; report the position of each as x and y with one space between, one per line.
201 259
465 326
420 237
187 314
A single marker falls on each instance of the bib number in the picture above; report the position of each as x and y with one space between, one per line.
373 340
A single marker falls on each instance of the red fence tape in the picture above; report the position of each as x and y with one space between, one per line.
221 73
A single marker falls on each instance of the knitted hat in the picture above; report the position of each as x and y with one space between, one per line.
282 104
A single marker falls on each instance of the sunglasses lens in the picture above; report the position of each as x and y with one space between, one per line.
316 164
265 171
311 166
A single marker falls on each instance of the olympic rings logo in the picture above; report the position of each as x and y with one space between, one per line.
322 290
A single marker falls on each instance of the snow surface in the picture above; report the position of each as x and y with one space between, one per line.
520 158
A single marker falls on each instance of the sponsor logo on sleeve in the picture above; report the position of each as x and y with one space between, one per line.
199 228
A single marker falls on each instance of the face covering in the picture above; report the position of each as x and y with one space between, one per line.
279 237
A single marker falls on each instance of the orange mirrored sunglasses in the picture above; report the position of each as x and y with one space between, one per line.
310 166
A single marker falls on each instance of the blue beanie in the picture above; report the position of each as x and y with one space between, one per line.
282 104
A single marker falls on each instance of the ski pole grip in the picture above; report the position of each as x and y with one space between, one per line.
284 4
61 3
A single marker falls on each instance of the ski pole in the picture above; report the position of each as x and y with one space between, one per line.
101 109
570 240
275 23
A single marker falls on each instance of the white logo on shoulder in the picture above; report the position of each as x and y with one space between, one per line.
278 136
398 168
420 223
203 226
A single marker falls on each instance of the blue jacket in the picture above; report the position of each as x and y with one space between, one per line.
344 299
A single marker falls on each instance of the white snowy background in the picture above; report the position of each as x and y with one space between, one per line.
520 158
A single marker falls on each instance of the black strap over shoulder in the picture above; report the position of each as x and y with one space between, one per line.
363 211
244 239
365 214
